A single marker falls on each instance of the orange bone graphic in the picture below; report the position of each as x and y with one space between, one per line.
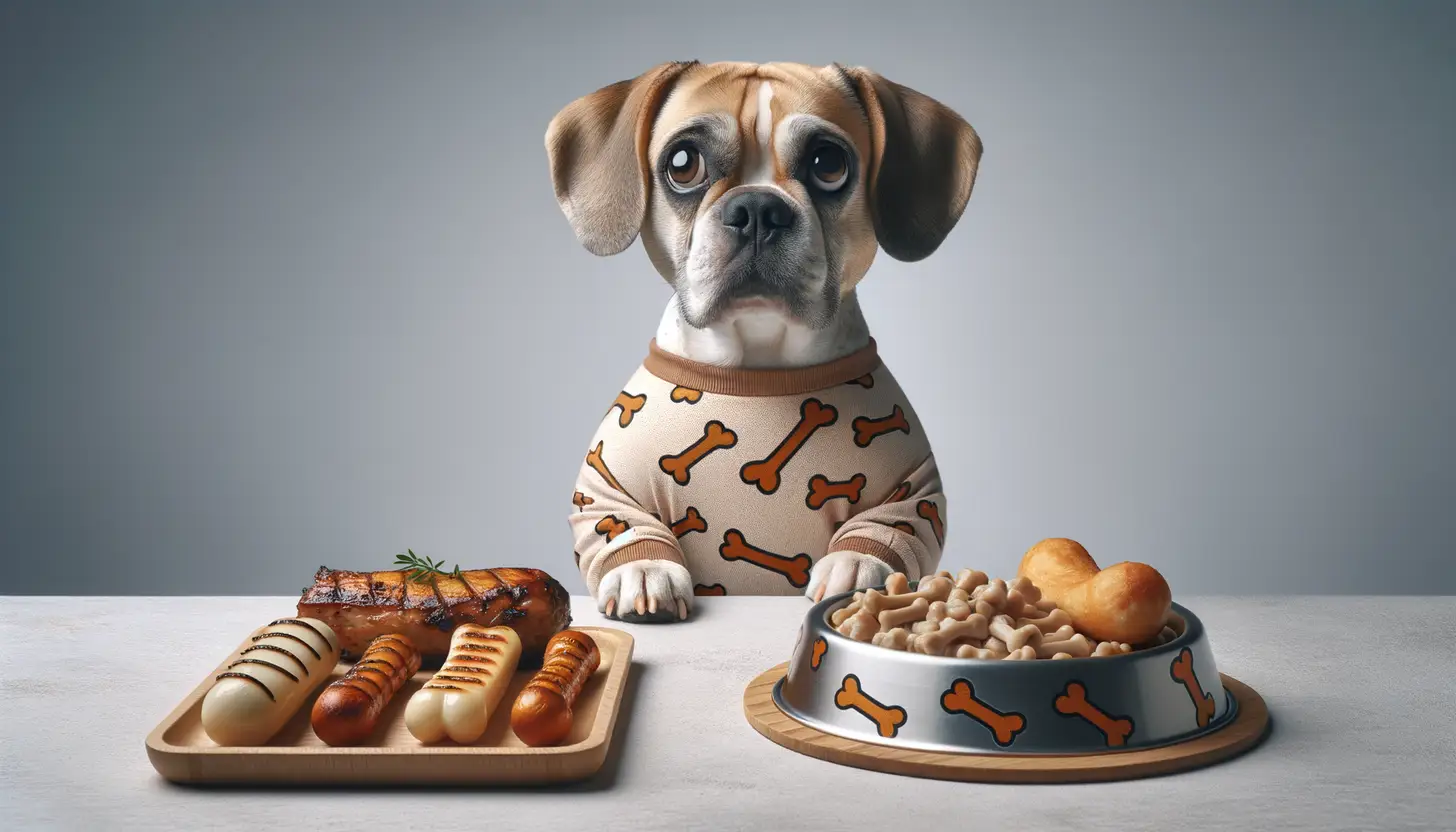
594 459
709 589
813 415
866 381
931 512
866 429
888 719
580 500
685 394
796 568
1182 671
611 527
692 521
961 699
822 490
630 405
904 527
680 466
820 648
1073 702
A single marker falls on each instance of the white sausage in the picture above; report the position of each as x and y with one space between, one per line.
267 682
459 701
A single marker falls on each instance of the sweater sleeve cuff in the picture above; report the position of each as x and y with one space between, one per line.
644 549
873 548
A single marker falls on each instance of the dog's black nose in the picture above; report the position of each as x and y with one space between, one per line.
758 215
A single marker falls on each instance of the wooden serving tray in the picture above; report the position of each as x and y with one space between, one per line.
1248 729
181 752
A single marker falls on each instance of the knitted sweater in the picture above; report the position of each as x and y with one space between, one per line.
748 477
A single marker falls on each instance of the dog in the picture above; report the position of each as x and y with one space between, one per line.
762 447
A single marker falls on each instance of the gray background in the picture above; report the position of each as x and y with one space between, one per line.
285 284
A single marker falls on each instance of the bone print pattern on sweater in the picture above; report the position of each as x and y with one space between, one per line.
749 477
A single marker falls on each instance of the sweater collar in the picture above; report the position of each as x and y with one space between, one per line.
737 381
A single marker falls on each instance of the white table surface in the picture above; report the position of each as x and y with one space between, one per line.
1360 690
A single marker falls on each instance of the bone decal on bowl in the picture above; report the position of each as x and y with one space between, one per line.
822 490
1073 702
691 521
680 465
630 404
1182 671
685 395
887 718
866 430
961 699
796 568
764 473
821 646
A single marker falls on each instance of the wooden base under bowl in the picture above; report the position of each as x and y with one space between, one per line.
1249 727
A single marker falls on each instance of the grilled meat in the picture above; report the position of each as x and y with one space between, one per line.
360 606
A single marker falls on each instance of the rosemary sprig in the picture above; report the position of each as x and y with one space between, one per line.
419 569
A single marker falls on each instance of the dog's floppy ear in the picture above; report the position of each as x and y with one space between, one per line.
597 147
923 160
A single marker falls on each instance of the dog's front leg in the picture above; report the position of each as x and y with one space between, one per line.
905 533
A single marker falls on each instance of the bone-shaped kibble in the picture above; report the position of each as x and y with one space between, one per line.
920 628
685 394
931 513
1111 648
813 415
820 648
611 526
1051 622
1023 586
1061 633
692 521
897 584
969 579
931 589
1004 628
897 639
1063 656
887 718
915 611
838 616
1078 645
594 459
680 465
822 490
1073 702
971 651
1022 654
1182 671
995 645
950 631
867 429
795 568
862 626
630 404
961 699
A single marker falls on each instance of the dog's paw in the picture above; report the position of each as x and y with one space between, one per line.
843 571
646 591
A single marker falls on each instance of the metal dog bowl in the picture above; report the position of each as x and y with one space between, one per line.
1157 696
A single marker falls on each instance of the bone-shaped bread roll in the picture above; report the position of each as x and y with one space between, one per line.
268 681
1126 602
459 701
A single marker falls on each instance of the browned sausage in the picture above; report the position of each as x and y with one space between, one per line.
542 713
346 712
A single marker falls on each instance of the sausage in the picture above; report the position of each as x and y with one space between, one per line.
348 709
459 700
268 681
542 713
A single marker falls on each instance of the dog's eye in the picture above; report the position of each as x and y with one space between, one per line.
829 167
685 168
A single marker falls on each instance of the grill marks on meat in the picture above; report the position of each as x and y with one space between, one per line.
361 605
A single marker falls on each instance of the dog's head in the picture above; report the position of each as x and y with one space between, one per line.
761 186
